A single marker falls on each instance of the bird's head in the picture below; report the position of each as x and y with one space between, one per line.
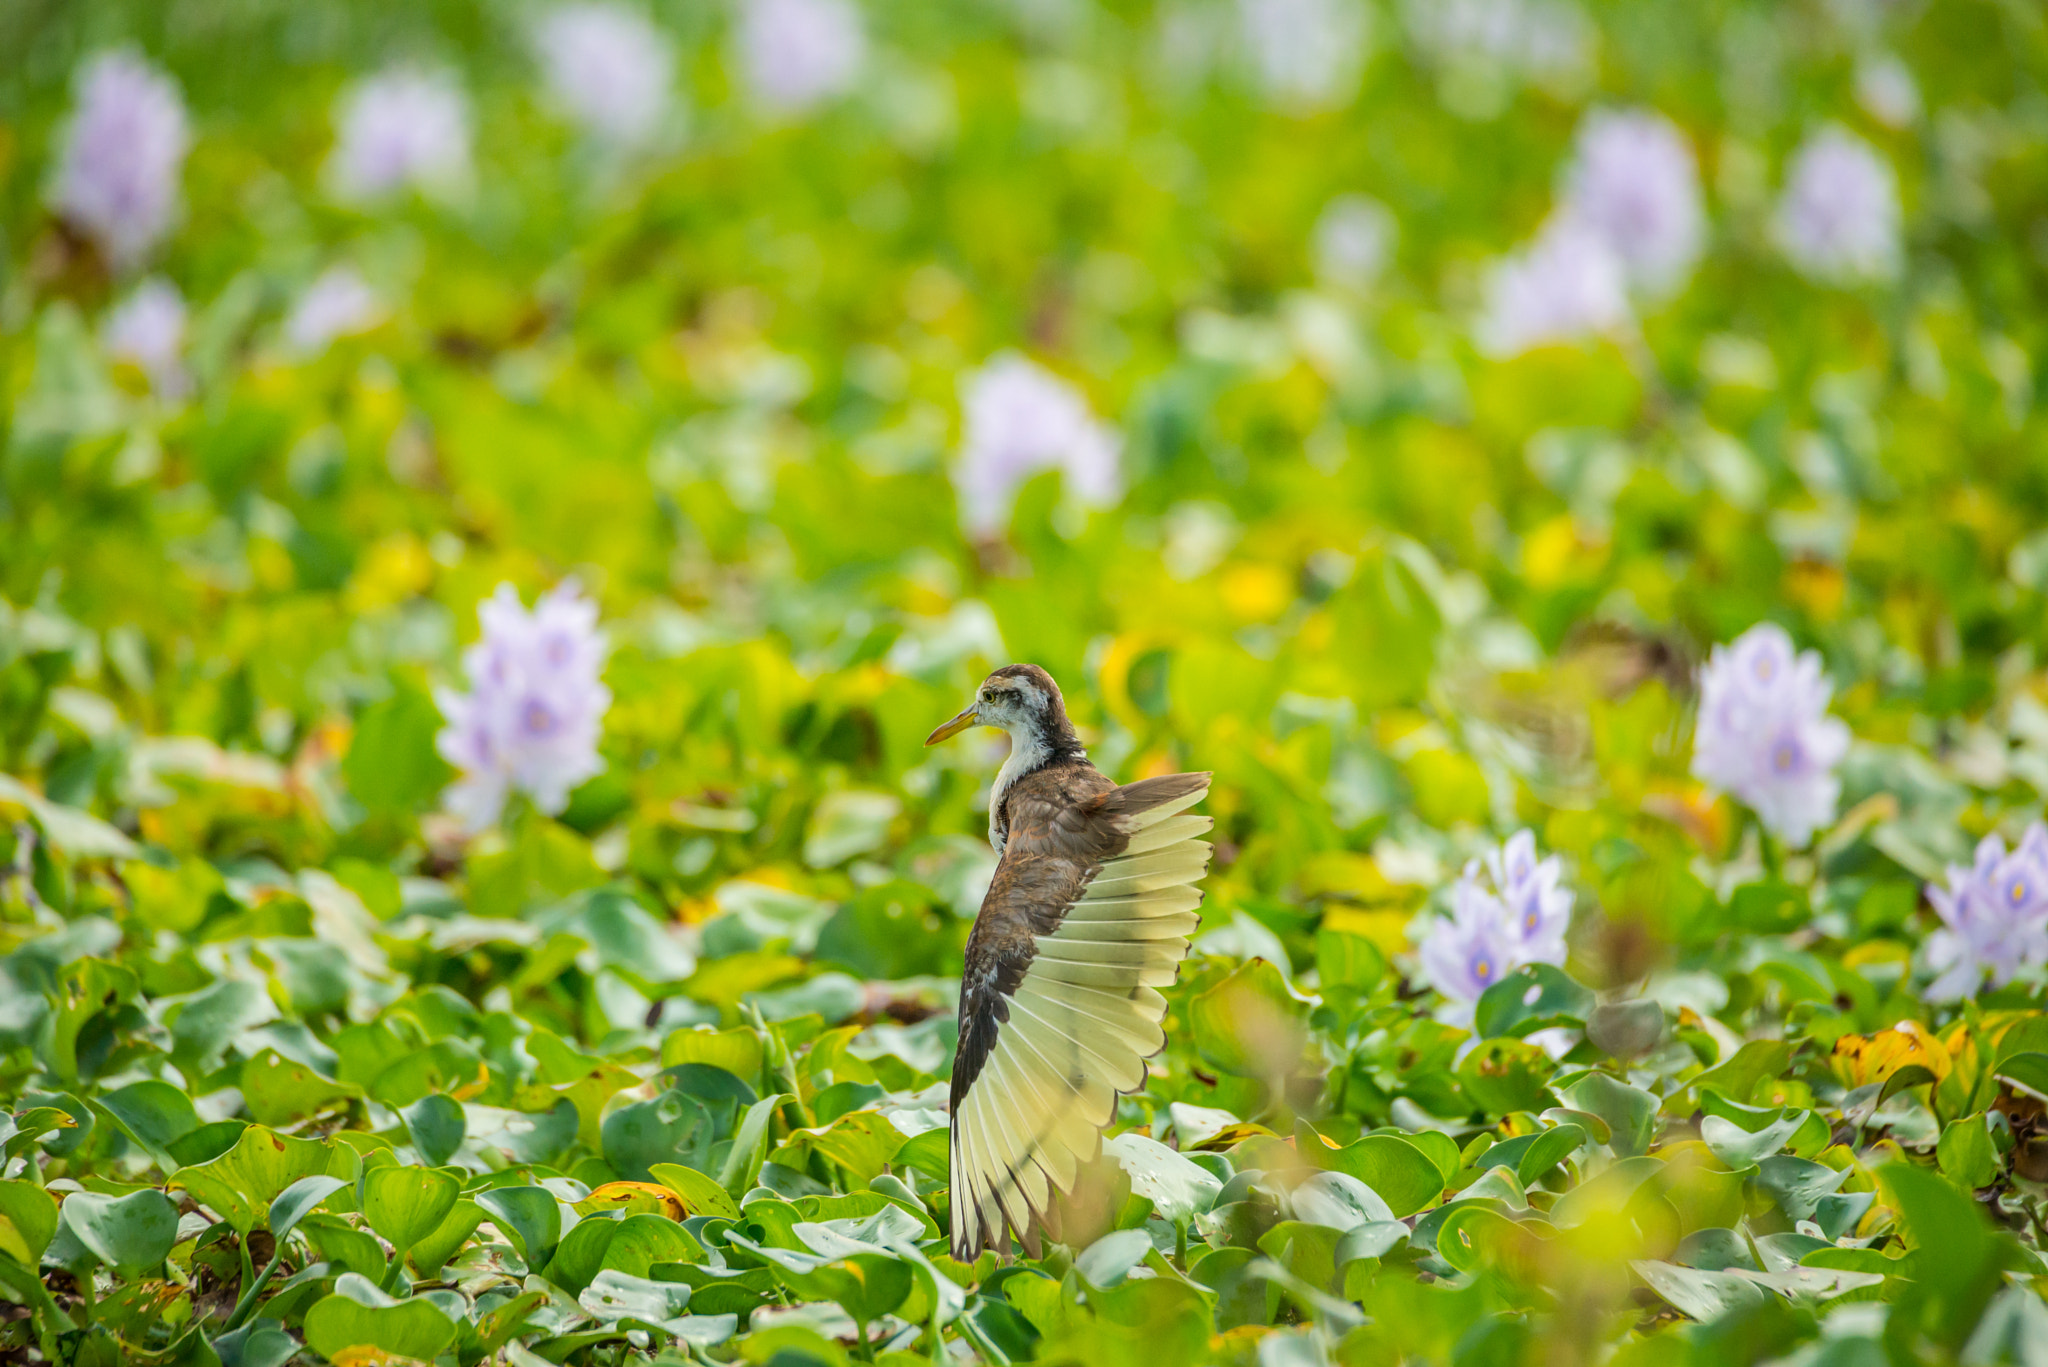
1020 699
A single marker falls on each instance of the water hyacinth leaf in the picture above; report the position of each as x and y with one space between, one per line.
1629 1112
359 1315
241 1183
1739 1148
1339 1201
30 1214
1704 1296
1178 1189
580 1255
154 1114
391 765
530 1217
259 1343
644 1241
1397 1170
437 1126
441 1243
279 1090
406 1204
132 1232
1532 997
2026 1072
671 1127
1250 1024
1626 1030
631 1198
701 1195
613 1296
299 1200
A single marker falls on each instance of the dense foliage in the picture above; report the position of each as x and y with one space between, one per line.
1408 412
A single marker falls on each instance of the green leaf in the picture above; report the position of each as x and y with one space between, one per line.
1966 1155
30 1216
1532 997
443 1241
1403 1176
133 1233
613 1296
392 766
1738 1148
299 1200
1178 1188
530 1217
278 1090
405 1204
1250 1024
154 1114
2027 1072
358 1315
240 1184
702 1195
1629 1113
1703 1295
437 1125
1350 961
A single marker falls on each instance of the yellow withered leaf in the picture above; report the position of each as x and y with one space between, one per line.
635 1198
1863 1059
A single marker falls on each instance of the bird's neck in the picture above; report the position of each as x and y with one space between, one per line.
1034 744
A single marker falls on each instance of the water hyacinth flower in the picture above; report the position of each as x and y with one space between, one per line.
1354 236
1517 914
147 330
1567 285
799 53
402 129
1764 735
1838 220
1305 53
117 172
1994 916
339 304
535 709
610 68
1632 179
1020 419
1470 950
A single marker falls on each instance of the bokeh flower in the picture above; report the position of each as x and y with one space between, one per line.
1354 237
1531 892
1305 53
1632 180
1994 916
338 304
1020 419
799 53
147 330
535 709
1764 735
1887 91
123 149
1567 285
610 68
402 129
1508 908
1838 220
1470 950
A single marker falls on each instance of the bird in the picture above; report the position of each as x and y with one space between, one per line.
1087 916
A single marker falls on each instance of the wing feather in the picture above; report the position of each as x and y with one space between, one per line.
1088 915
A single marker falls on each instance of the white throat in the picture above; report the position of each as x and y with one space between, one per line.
1028 751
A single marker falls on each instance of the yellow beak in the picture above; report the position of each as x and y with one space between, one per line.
951 728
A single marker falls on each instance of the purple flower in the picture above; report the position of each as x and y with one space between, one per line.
1994 916
1764 735
1518 914
1305 53
117 174
147 330
797 53
610 68
535 707
1838 220
1353 238
401 129
339 304
1568 284
1632 180
1470 950
1020 419
1532 896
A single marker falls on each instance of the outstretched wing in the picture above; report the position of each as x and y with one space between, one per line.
1088 915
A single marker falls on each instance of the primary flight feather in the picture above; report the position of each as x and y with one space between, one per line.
1088 915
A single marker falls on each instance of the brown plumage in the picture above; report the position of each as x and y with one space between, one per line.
1087 916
